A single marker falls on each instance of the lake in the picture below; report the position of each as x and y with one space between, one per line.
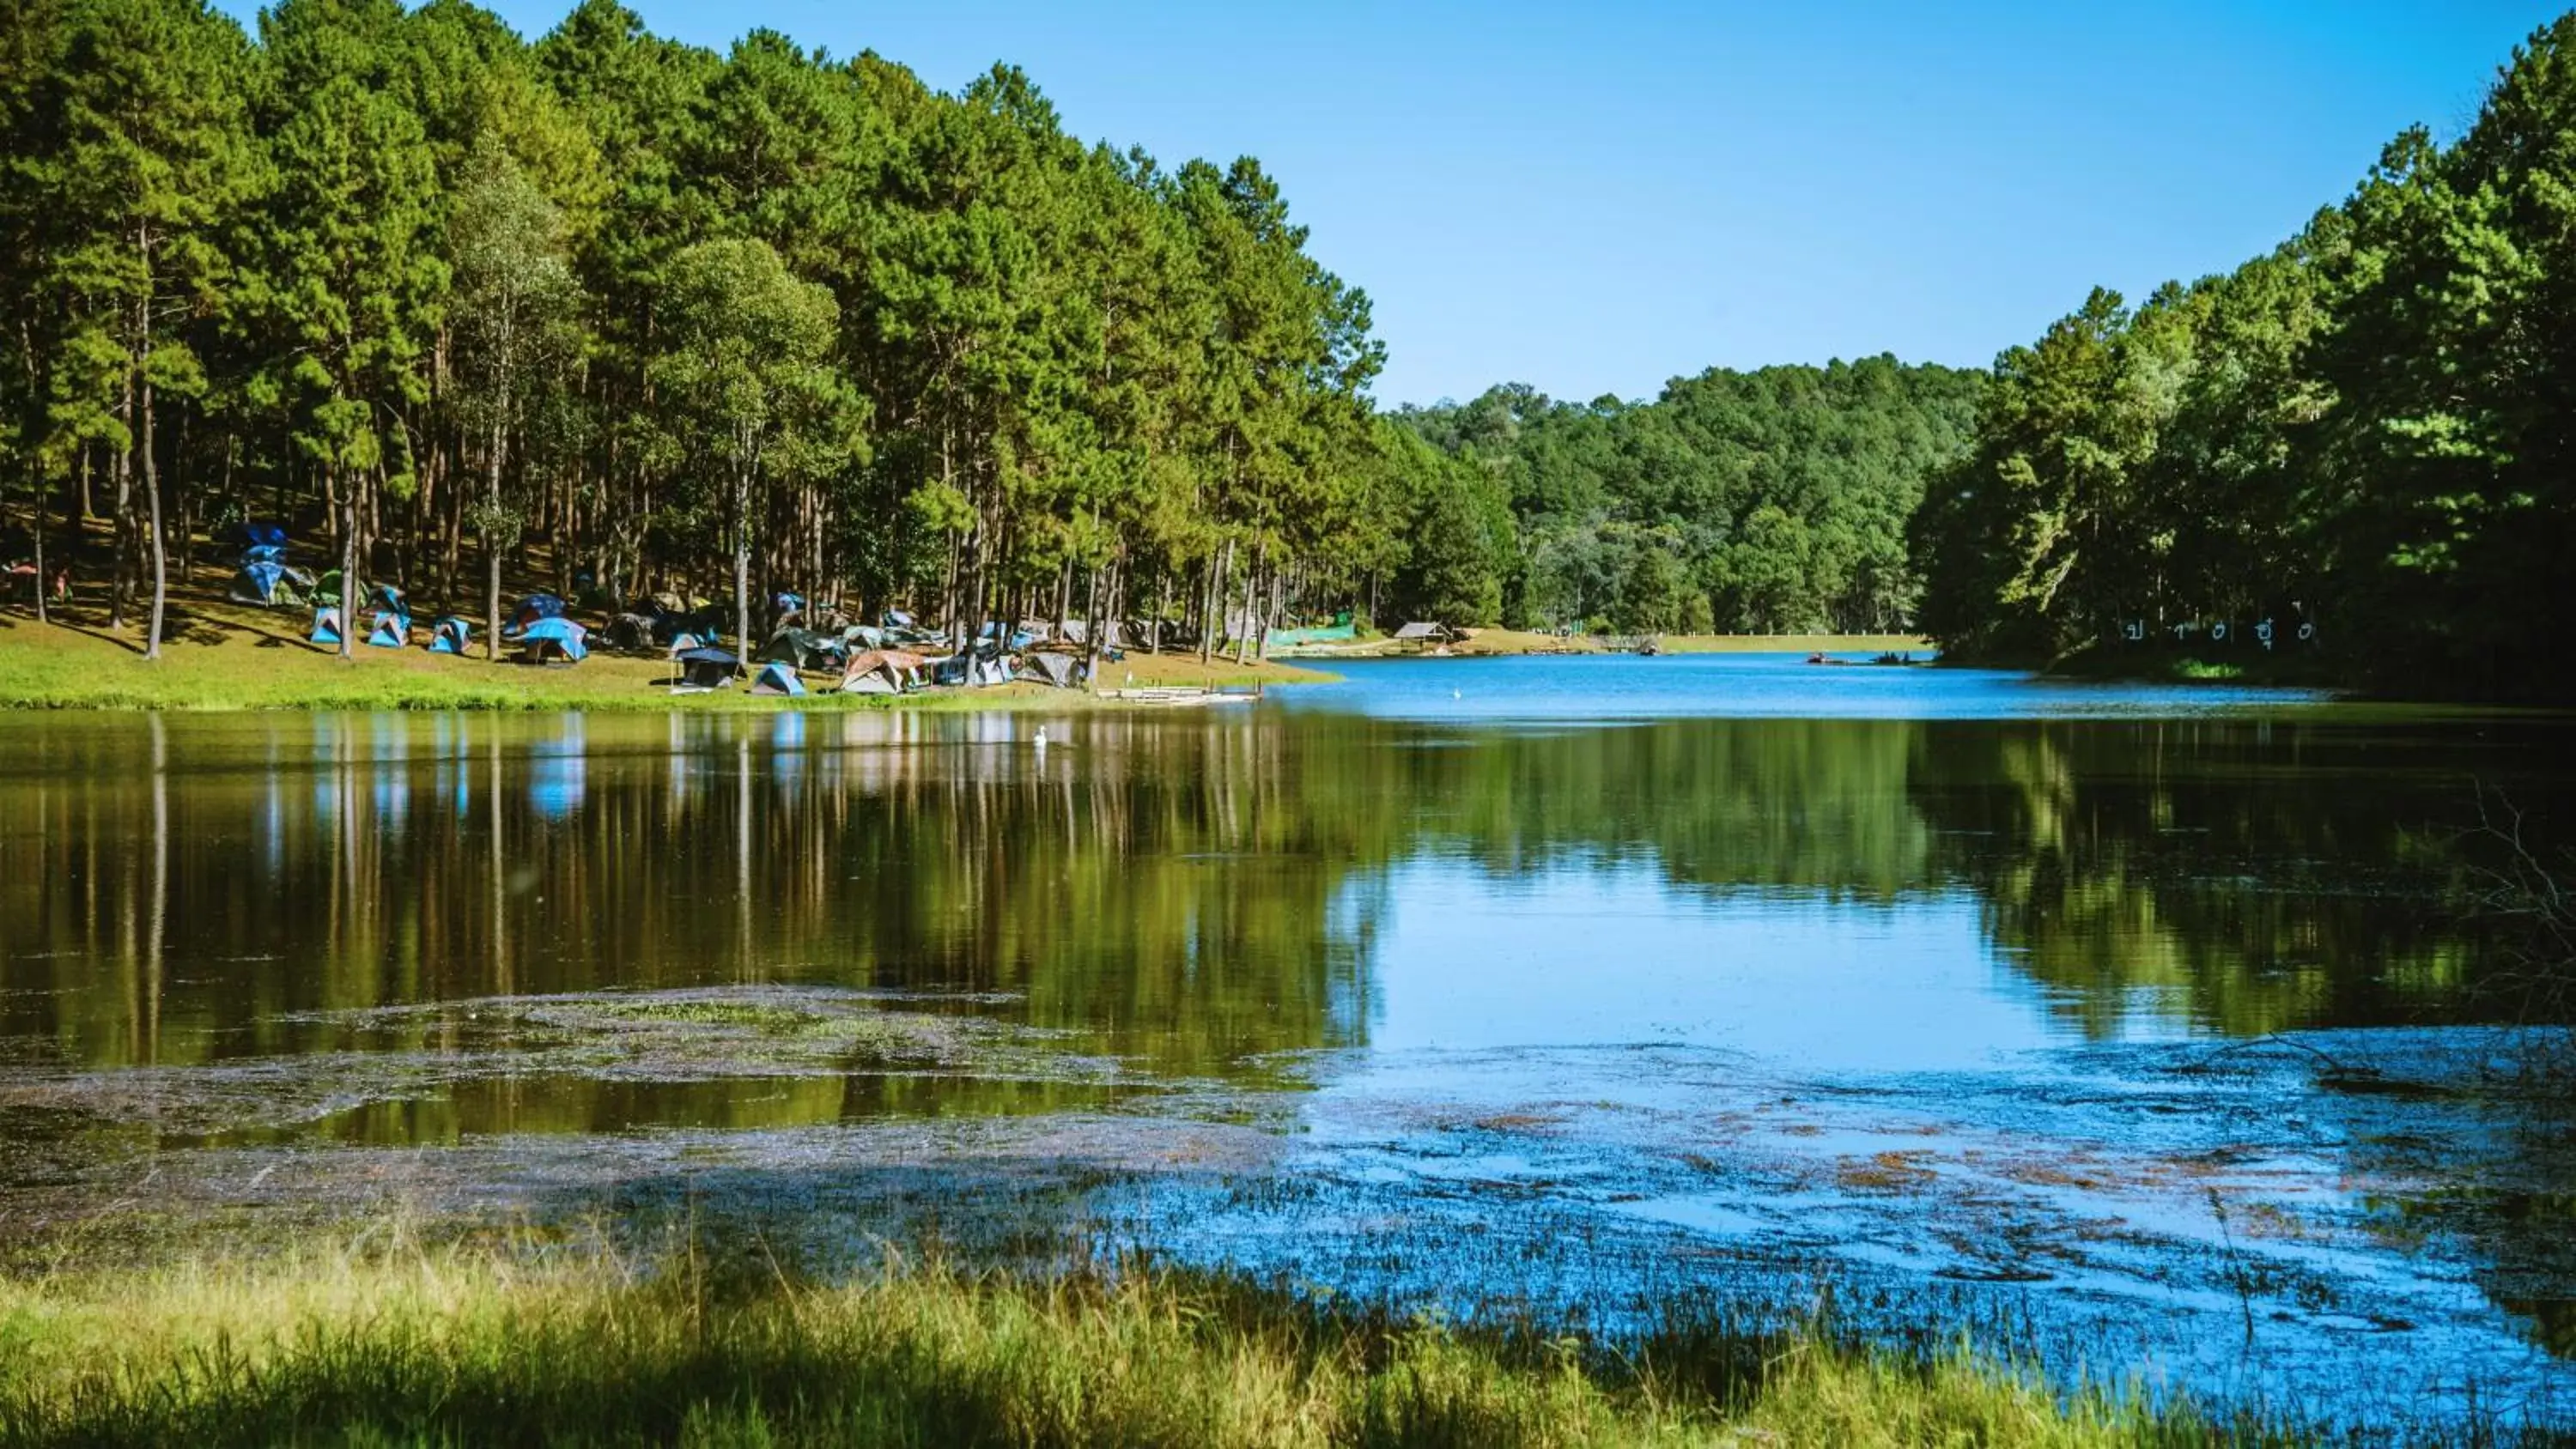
2135 1027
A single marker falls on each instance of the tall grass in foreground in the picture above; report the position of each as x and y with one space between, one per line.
462 1347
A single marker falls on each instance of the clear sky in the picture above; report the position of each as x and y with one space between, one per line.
1596 198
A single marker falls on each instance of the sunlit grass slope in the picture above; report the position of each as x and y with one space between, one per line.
240 658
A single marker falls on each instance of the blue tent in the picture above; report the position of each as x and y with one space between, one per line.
553 636
450 635
532 610
271 553
778 677
392 631
261 535
326 624
257 582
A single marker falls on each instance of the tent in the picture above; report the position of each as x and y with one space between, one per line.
882 671
450 635
777 677
532 610
550 638
392 631
629 633
260 582
864 636
326 624
1061 670
896 619
326 590
703 668
985 666
804 649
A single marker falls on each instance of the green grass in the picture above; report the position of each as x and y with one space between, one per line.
230 657
463 1345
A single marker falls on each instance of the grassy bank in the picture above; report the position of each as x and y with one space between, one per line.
231 657
463 1346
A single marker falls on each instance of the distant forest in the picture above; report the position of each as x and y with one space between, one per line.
447 302
1742 502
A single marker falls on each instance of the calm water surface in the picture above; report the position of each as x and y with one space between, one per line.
2076 1012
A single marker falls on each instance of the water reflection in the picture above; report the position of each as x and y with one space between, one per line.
1197 892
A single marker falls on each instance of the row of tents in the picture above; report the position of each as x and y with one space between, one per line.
892 656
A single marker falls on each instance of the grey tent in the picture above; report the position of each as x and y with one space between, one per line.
1060 670
804 649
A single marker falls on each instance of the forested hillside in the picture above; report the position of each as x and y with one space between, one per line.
2357 447
1753 502
655 318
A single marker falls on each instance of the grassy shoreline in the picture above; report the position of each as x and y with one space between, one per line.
230 658
475 1345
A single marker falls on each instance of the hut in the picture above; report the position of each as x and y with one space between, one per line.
1422 632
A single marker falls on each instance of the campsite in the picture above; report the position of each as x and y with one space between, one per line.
750 725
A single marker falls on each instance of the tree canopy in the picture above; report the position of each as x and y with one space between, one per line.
656 318
1755 502
2355 446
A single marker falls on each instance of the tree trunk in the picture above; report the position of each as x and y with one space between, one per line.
742 563
160 553
348 569
492 557
44 583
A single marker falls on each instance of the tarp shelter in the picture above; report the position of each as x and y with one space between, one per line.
549 639
532 610
1419 632
450 635
777 677
704 668
896 619
326 624
1060 670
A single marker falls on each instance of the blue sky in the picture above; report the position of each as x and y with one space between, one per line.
1596 198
